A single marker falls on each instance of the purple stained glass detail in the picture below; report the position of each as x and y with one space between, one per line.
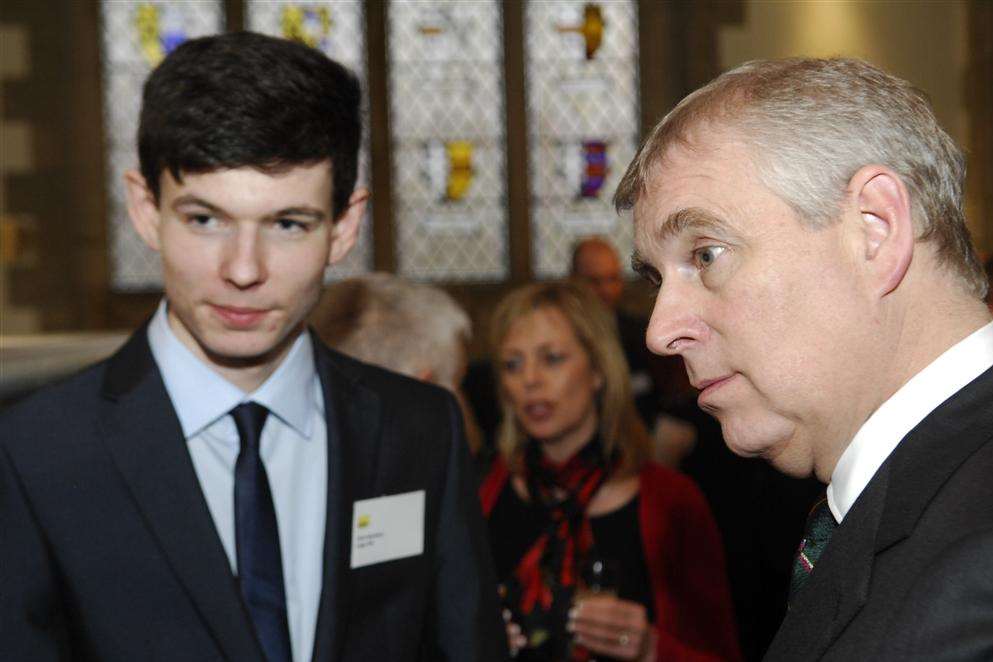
595 155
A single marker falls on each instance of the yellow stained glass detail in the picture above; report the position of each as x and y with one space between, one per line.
591 29
295 28
147 21
459 168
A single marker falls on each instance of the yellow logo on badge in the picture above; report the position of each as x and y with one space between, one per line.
364 521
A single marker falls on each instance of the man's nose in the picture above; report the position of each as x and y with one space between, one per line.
675 326
244 259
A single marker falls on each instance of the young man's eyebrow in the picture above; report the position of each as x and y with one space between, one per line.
190 199
689 218
312 212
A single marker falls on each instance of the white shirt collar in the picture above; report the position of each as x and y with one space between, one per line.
898 415
200 396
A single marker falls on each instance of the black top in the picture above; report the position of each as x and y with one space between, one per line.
514 525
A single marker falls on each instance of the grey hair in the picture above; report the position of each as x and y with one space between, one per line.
394 323
810 125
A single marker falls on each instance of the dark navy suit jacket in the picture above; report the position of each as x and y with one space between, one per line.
108 551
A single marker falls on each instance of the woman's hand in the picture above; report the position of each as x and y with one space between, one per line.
515 637
611 626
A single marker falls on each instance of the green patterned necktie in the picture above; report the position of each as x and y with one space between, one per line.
820 526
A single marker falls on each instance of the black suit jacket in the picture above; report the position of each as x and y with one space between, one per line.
908 575
108 551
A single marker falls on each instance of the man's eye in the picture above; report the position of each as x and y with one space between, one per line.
654 279
648 273
202 221
290 225
706 256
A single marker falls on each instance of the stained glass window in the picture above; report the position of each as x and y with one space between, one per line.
136 36
582 97
336 27
448 137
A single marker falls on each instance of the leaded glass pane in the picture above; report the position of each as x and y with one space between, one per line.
336 27
582 93
136 36
448 133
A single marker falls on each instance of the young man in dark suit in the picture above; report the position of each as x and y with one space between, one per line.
803 221
225 487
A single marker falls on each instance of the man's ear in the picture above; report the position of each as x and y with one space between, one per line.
346 227
142 208
887 225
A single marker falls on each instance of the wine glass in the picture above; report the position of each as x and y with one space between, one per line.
597 576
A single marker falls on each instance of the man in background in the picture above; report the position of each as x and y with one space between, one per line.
596 263
803 222
225 486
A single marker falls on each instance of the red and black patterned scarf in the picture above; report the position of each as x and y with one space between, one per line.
547 573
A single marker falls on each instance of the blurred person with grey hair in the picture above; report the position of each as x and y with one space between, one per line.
803 222
411 328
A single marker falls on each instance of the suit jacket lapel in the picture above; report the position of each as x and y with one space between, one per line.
932 452
353 414
852 569
146 442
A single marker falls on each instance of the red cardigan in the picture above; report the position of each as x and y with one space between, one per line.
685 559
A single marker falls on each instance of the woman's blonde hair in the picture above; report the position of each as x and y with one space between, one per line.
595 328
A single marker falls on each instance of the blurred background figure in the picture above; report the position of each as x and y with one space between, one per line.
587 531
595 260
658 383
410 328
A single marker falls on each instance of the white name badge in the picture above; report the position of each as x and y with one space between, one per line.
387 528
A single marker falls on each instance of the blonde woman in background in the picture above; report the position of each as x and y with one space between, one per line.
575 506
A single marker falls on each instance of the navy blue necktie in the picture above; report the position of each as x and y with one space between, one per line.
260 565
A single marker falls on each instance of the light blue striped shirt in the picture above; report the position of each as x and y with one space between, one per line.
293 449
